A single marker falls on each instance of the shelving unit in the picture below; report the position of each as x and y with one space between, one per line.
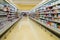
4 28
49 17
52 15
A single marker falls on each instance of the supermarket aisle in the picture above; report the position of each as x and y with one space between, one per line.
26 29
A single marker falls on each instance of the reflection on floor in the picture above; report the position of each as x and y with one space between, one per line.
26 29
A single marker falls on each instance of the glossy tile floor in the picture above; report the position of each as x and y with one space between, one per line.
27 29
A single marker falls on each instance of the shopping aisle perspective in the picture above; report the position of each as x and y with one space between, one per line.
27 29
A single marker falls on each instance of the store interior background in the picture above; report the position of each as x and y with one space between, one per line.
43 19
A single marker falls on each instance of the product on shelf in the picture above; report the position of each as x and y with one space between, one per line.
49 8
49 23
37 15
54 25
58 26
58 15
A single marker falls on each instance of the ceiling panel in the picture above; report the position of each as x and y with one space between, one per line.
25 7
26 4
27 1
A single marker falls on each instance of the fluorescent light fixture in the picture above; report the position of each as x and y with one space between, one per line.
11 3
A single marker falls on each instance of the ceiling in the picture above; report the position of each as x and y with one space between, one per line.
25 4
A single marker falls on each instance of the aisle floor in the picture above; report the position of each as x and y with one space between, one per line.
27 29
